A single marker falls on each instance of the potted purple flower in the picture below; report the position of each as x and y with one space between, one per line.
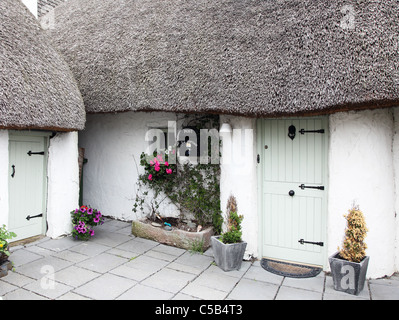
83 221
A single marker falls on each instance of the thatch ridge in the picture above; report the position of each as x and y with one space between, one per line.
37 88
243 57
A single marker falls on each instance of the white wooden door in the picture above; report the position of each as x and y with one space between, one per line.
27 184
292 182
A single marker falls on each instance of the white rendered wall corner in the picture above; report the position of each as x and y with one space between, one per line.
395 149
238 176
4 166
63 183
32 6
361 172
113 144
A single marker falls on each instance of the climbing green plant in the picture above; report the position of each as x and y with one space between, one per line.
192 188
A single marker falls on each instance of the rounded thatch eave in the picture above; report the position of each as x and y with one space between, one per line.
242 57
37 88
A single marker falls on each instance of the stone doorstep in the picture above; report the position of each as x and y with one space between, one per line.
177 238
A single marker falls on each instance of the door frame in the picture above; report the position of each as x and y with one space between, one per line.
259 171
19 134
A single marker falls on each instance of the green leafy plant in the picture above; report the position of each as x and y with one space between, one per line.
354 247
192 188
233 233
4 236
83 220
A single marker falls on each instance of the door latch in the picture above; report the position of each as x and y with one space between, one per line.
302 186
301 241
30 153
303 131
37 216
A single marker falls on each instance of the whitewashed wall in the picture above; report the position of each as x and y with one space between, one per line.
113 144
363 161
63 183
238 176
4 177
361 171
395 149
32 6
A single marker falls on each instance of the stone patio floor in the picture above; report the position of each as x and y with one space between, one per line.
116 265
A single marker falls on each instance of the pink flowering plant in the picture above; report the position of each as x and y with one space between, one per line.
193 189
157 169
83 221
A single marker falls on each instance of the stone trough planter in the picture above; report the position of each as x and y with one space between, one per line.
175 237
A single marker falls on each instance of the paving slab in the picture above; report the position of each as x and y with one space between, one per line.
106 287
134 268
143 266
217 281
248 289
184 268
59 244
23 294
72 296
23 256
6 287
71 256
111 239
137 246
102 262
195 260
169 280
206 293
74 276
47 287
39 268
213 268
141 292
331 294
260 274
312 284
384 289
16 279
169 250
290 293
89 248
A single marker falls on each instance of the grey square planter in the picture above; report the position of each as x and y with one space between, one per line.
348 276
228 256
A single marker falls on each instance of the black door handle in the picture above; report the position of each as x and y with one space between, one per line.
302 186
291 193
13 171
37 216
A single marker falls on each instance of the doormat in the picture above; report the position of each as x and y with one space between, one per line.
291 270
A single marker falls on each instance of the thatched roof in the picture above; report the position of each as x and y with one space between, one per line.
37 88
248 57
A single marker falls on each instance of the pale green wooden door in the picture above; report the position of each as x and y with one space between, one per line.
27 184
292 183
